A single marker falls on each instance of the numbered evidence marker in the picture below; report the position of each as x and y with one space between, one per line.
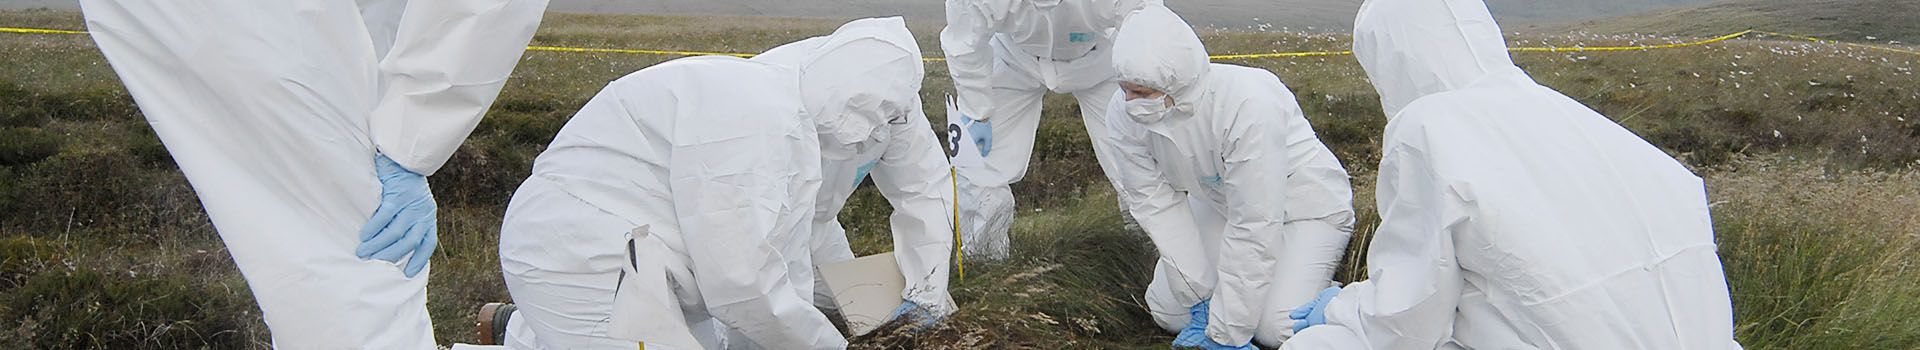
960 148
867 290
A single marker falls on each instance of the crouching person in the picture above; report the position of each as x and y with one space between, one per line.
675 208
1512 216
1250 212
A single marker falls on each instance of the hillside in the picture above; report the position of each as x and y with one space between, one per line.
1319 15
1876 21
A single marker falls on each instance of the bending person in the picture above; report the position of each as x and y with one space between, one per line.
1512 216
909 169
308 130
681 197
1250 212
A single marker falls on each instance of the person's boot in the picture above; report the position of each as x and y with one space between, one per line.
492 327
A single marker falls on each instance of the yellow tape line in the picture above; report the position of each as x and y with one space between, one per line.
633 51
1214 57
1631 48
39 31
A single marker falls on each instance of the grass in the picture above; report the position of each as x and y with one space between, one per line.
1868 21
1820 259
1808 150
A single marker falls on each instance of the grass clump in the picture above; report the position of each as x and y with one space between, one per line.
1075 280
23 146
85 309
1820 259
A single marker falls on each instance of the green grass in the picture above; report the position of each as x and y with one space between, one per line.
1816 221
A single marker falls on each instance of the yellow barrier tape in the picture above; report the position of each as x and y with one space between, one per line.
1278 55
633 51
39 31
1214 57
1631 48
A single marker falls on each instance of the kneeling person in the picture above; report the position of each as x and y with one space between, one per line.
1250 212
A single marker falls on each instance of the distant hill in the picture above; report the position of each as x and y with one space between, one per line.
1300 15
1851 20
1320 15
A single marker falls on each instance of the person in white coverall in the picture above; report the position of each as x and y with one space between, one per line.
1249 211
682 196
295 121
1004 56
1512 216
911 172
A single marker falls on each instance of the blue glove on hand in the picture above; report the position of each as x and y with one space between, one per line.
982 133
1314 313
1195 335
918 317
405 222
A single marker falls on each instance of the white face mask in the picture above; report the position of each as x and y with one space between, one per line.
1147 110
844 144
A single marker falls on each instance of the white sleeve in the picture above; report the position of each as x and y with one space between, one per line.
1160 210
1122 8
1255 181
914 176
965 42
447 64
1414 281
729 198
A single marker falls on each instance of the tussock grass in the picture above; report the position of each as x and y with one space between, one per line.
1820 259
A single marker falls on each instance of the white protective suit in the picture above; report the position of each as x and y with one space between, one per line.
719 159
1513 217
911 172
1244 203
274 111
1004 56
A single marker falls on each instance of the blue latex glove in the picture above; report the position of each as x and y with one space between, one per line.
405 222
1195 335
861 173
1314 313
982 133
919 317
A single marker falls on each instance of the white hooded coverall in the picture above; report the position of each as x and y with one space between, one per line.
1244 203
911 172
274 111
1513 217
1004 56
718 158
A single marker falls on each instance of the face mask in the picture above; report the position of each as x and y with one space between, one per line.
1147 110
852 122
861 129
